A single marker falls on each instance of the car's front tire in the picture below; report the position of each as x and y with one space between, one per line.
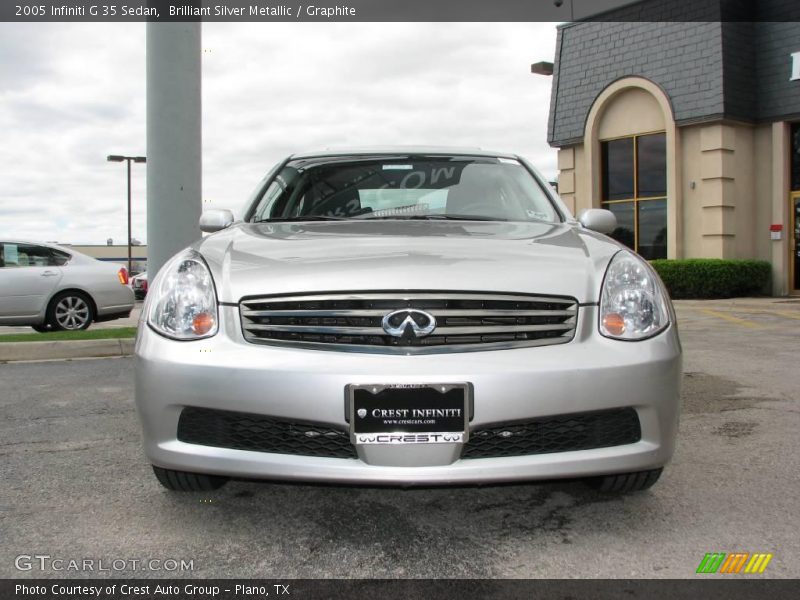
622 483
70 311
180 481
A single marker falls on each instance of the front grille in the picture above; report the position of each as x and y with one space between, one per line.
244 431
464 321
564 433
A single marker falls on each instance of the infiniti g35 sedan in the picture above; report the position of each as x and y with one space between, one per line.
51 287
407 316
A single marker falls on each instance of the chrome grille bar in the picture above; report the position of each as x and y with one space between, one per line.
342 330
405 295
333 312
465 321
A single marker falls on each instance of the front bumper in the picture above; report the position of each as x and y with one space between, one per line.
590 373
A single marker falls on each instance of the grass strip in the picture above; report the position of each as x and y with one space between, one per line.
86 334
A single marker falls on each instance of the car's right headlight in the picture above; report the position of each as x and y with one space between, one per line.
183 301
633 305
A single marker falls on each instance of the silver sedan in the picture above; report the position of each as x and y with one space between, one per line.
408 316
51 287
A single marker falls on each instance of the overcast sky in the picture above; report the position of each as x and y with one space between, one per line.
72 94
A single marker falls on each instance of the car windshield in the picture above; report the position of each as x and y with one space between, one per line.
404 187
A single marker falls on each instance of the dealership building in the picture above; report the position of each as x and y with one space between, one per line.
115 254
688 131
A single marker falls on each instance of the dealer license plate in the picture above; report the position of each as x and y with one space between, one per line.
409 413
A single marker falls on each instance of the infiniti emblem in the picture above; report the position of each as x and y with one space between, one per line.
408 322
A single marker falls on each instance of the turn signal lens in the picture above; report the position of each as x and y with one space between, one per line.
122 275
203 323
614 324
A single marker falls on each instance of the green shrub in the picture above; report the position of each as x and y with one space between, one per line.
714 277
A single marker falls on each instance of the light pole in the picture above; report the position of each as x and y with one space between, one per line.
129 160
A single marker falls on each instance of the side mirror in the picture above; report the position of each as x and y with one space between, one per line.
215 220
598 219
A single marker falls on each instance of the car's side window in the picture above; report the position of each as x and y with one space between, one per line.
268 199
58 258
29 255
9 255
275 194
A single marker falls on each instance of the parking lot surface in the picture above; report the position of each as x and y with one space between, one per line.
76 486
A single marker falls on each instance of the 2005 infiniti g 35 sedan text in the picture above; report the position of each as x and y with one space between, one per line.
407 316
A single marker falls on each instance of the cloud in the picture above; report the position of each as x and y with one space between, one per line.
70 94
22 62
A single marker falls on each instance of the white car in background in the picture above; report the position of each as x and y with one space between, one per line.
52 288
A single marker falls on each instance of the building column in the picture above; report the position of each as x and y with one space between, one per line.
566 178
718 192
174 153
780 208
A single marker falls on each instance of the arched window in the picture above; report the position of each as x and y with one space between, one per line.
634 187
630 145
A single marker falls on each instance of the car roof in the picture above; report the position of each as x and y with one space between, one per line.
403 151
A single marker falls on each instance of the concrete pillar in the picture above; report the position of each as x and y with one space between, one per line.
174 159
780 212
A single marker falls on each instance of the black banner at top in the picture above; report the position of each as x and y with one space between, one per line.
397 10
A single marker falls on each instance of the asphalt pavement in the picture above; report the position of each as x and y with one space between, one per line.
76 486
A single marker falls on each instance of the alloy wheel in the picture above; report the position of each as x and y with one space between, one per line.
72 312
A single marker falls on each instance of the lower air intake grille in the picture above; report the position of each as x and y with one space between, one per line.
244 431
581 431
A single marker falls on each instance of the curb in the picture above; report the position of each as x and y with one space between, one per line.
17 351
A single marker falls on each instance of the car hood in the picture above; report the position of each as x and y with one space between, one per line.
286 258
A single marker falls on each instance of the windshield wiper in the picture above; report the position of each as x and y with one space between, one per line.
462 218
301 218
437 218
387 217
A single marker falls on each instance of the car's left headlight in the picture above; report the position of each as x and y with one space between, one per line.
183 302
633 305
